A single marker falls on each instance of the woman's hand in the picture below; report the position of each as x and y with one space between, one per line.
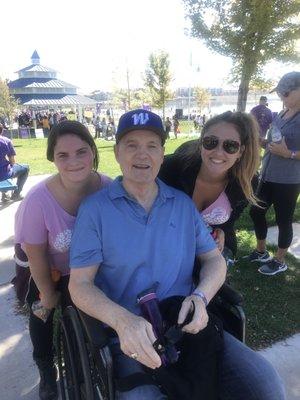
136 339
280 149
200 317
219 238
50 300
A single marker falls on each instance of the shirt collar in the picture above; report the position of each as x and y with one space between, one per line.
117 190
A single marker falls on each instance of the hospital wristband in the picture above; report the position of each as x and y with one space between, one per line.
201 295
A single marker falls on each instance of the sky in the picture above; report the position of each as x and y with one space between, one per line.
92 43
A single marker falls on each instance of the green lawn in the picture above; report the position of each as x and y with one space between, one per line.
271 303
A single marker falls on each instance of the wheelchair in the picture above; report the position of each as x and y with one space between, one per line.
84 359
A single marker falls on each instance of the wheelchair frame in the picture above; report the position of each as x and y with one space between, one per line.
84 359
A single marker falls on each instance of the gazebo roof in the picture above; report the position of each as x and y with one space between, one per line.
39 83
43 100
36 68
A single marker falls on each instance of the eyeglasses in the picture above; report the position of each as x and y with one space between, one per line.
211 142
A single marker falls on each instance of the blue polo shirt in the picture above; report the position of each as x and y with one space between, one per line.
135 249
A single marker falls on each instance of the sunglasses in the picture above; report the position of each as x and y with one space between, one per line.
211 142
285 94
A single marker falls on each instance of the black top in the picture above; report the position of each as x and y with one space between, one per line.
174 172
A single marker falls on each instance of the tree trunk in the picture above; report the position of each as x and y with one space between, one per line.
243 91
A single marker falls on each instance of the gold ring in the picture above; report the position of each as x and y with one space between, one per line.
134 356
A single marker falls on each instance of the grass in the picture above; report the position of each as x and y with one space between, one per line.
271 303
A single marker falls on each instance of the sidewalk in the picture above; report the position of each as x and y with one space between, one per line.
19 377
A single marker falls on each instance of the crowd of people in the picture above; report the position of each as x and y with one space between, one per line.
108 241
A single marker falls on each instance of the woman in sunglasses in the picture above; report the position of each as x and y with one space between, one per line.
216 172
280 177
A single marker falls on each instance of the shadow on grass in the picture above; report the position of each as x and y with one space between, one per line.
271 303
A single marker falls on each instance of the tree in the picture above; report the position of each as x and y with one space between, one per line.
259 84
251 32
158 78
138 97
202 97
8 104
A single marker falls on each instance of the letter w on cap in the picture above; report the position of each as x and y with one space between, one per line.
140 119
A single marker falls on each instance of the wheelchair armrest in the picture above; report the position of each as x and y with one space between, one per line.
94 328
229 295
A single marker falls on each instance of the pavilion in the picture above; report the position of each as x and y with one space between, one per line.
38 88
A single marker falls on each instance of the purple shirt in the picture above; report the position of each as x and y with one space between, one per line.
264 118
40 219
6 150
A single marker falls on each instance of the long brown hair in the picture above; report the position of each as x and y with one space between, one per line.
246 167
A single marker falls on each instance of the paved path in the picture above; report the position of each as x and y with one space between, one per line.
19 377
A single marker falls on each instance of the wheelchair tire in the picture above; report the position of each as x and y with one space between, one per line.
68 381
84 381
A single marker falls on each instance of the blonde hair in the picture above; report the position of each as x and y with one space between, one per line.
246 167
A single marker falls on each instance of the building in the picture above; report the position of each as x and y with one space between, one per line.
38 88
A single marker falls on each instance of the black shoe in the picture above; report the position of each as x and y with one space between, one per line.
273 267
48 387
16 197
259 257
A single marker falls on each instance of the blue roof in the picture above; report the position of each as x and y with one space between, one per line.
39 83
44 100
36 68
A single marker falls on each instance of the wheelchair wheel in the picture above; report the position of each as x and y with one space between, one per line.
67 363
81 374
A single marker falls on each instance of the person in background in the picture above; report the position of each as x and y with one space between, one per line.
216 172
46 125
175 126
43 226
279 178
168 126
9 168
263 115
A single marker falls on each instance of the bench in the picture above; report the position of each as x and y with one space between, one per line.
7 185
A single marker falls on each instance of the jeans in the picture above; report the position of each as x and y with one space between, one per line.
19 171
244 375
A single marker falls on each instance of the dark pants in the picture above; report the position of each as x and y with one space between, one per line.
41 333
284 198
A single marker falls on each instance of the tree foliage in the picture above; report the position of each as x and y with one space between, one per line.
251 32
130 98
158 78
8 103
202 97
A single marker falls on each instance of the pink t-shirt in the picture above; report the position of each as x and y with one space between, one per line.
218 212
40 219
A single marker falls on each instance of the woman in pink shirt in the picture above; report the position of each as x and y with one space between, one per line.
43 226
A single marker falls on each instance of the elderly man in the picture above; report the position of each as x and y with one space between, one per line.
133 234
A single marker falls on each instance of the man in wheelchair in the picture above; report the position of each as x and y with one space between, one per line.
138 233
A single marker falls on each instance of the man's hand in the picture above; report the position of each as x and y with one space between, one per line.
200 317
219 238
136 338
280 149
